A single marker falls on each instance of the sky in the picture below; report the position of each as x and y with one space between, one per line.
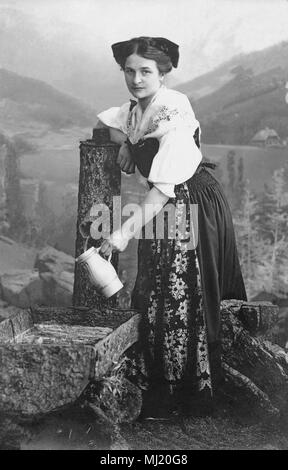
207 31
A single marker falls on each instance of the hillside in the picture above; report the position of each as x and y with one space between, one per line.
242 107
44 127
242 96
259 62
25 101
234 113
61 59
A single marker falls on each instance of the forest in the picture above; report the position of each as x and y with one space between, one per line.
260 220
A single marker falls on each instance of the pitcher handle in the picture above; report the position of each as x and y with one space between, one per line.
109 257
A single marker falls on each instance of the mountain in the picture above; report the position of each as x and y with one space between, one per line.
75 56
246 95
259 62
58 54
44 127
24 101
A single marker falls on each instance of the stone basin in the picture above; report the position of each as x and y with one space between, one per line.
48 354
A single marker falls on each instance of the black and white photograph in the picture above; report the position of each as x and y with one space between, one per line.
143 227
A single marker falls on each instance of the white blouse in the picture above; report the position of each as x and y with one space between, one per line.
170 118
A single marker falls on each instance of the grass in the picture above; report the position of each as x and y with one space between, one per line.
77 429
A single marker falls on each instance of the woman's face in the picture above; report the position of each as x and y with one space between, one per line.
142 76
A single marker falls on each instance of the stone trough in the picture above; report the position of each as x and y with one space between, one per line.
48 355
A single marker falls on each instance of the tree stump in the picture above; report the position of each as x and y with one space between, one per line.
255 368
99 181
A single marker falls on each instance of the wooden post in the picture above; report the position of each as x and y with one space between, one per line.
99 181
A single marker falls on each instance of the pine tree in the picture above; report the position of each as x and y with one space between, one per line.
44 223
279 259
65 237
273 217
16 220
240 184
3 215
231 177
285 176
250 245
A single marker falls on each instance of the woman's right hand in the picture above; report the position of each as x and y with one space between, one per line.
125 159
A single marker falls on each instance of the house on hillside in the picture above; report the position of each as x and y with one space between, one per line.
267 138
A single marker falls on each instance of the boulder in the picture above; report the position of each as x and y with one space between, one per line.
22 287
3 304
14 255
54 261
6 311
57 288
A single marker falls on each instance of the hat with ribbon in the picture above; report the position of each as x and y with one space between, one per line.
120 49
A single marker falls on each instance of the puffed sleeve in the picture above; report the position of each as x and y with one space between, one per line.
116 117
178 155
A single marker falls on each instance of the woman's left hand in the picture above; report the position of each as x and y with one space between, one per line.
116 242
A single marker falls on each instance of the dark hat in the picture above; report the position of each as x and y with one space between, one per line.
162 44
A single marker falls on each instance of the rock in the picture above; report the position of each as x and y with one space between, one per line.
51 260
8 311
255 370
57 288
3 304
22 288
14 255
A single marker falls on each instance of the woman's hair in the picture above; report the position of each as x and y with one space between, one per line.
143 46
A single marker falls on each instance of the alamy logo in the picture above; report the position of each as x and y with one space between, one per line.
179 221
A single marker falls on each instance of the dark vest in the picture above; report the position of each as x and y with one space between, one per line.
144 151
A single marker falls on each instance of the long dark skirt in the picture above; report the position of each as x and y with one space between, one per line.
179 286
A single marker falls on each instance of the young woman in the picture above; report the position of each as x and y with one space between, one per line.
179 284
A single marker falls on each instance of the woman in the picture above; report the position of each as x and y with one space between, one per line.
179 285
